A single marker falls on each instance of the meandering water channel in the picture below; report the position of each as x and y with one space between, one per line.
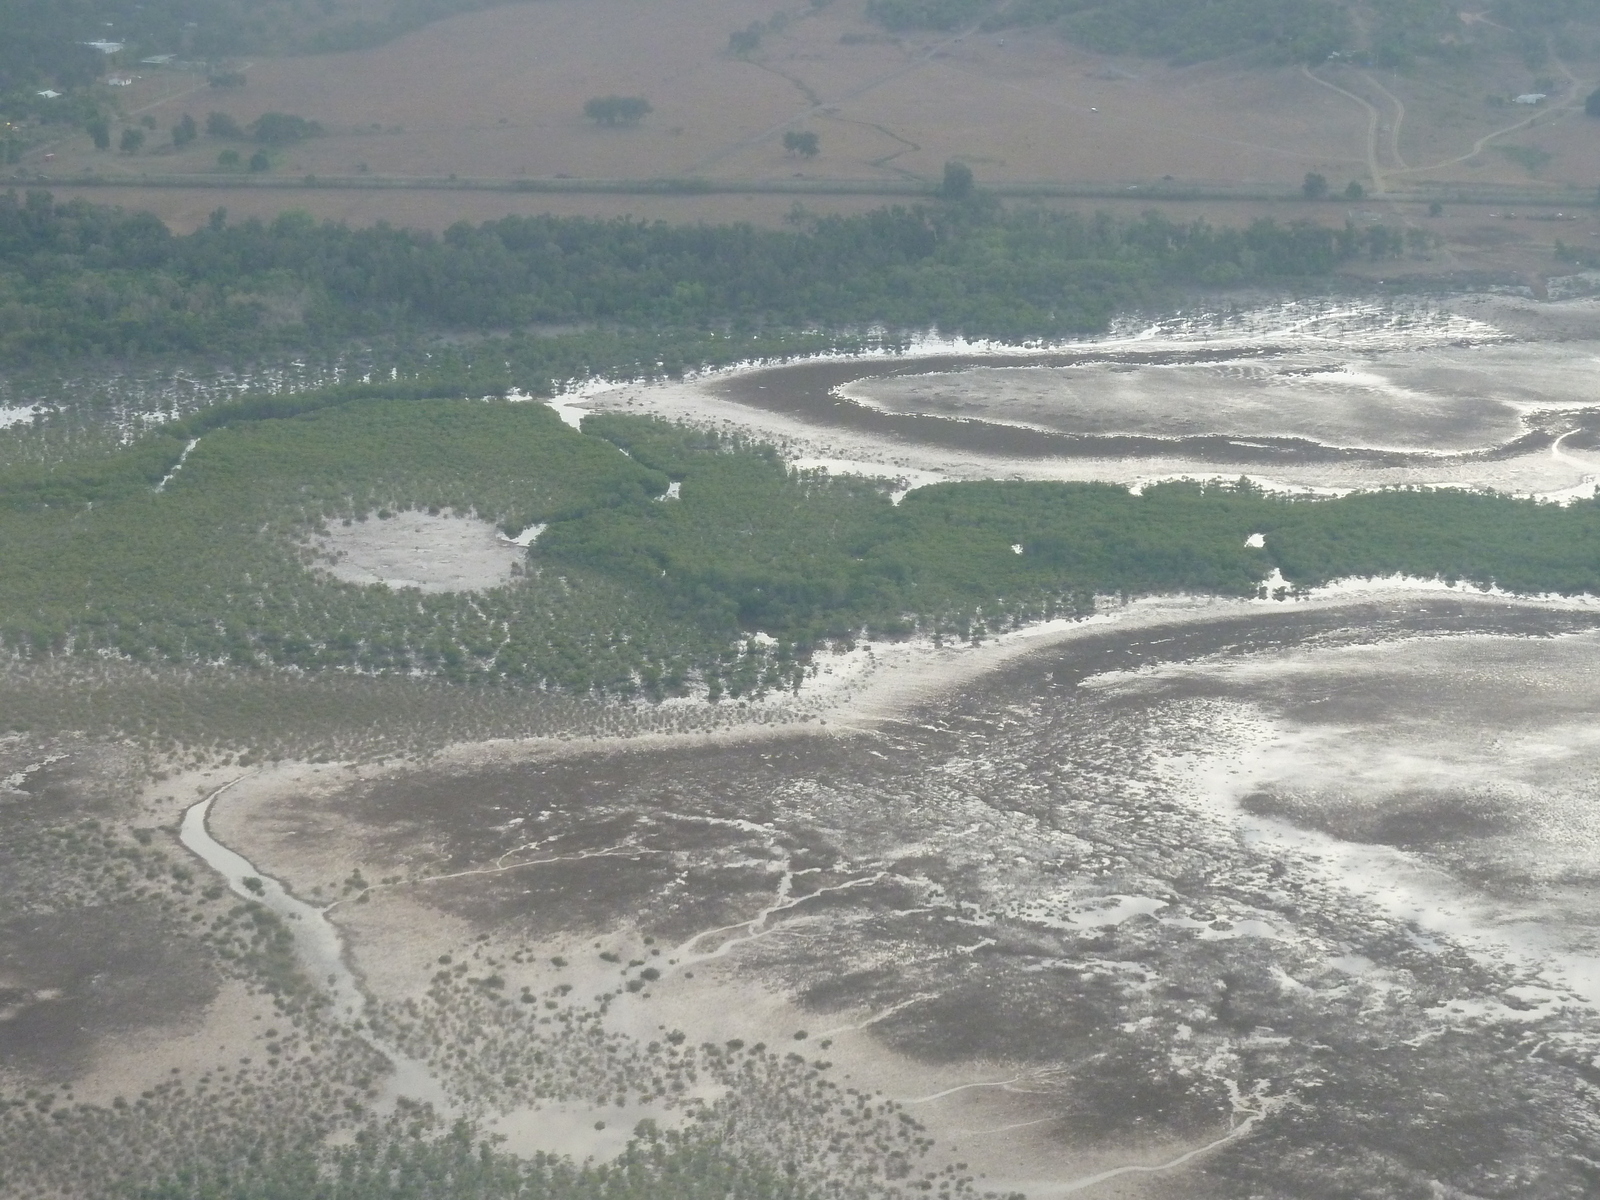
319 947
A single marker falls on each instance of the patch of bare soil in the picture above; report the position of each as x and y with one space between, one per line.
431 552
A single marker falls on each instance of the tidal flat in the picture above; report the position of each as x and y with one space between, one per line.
1311 889
1316 396
1289 897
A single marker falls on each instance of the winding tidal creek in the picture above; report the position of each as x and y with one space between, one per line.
319 947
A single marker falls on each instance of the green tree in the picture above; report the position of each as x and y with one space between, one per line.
221 125
228 158
1355 191
283 129
132 140
745 41
803 143
185 131
100 130
617 110
260 162
1315 187
958 182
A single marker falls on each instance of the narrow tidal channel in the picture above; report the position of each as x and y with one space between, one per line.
320 950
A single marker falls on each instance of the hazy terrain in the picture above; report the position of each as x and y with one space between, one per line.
494 99
1008 650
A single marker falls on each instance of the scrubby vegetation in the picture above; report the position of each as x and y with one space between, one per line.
627 592
90 890
1383 32
394 1161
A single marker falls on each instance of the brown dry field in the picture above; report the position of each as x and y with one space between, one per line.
498 95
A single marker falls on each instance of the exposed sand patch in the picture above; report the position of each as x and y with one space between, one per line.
18 414
430 552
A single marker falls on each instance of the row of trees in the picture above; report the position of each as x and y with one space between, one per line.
1391 32
269 129
617 110
76 278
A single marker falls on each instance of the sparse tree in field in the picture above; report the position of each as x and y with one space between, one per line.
132 140
958 181
1355 191
221 125
185 131
1315 187
617 110
228 159
260 162
745 41
226 79
1591 106
1436 209
802 143
100 130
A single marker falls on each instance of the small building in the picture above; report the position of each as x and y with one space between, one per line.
50 94
158 60
119 81
1530 98
106 47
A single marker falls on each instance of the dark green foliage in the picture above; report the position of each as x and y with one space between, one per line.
1591 103
926 14
803 142
77 279
132 141
617 110
221 125
184 131
626 593
1469 537
1390 33
1181 30
957 183
1315 187
41 44
282 129
1187 31
394 1166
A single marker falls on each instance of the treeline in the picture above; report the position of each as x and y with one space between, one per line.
638 589
1390 33
387 1165
79 280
